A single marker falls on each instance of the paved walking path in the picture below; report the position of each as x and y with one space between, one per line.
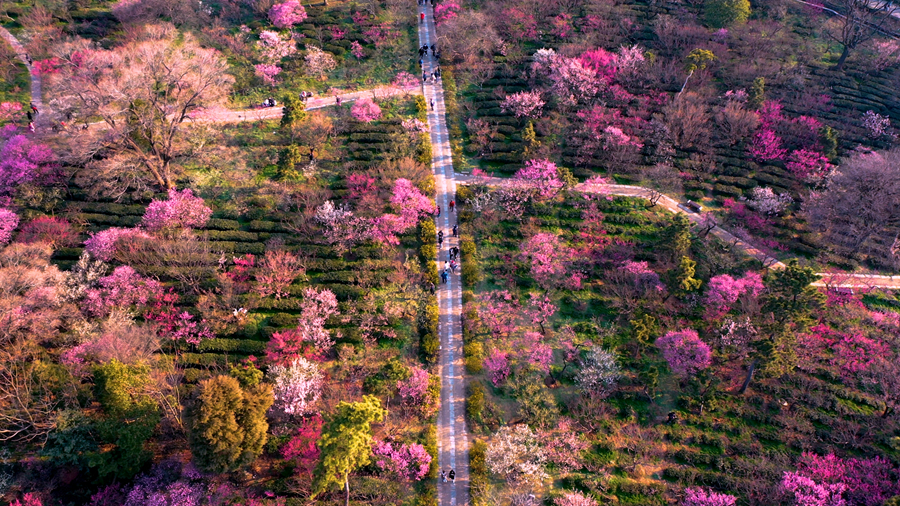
237 116
453 442
834 280
35 77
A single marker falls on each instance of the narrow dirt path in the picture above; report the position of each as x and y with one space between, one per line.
829 279
240 115
44 112
453 441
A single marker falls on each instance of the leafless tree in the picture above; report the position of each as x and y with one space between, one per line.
860 207
858 21
143 92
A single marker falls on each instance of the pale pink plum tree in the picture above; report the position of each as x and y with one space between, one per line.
273 47
405 80
102 245
499 311
524 104
318 63
275 273
267 72
10 111
410 204
365 110
573 498
542 175
516 454
181 210
287 14
685 353
341 227
297 386
564 445
572 82
548 257
405 461
315 309
8 223
697 496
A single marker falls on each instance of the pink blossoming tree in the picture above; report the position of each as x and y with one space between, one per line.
497 366
365 110
524 104
181 210
123 289
8 223
723 291
23 161
685 353
696 496
542 175
267 72
405 461
296 386
287 14
102 245
549 259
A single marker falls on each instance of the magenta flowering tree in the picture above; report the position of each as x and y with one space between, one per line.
302 449
549 259
287 14
497 366
445 11
102 245
365 110
356 50
601 61
807 492
182 210
865 482
524 104
539 309
541 175
685 353
8 223
696 496
23 161
766 146
296 386
572 82
411 203
808 165
723 291
123 289
267 72
405 461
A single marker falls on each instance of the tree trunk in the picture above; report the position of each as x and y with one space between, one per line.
887 410
844 54
347 489
749 377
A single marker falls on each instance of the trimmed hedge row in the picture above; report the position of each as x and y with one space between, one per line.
478 473
429 338
246 346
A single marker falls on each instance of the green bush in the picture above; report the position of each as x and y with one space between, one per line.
723 13
474 353
428 250
421 108
227 423
220 224
424 150
232 235
478 473
245 346
430 340
475 401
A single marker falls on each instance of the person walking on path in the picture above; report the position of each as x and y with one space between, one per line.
444 277
440 235
443 474
440 241
438 211
453 265
337 100
430 287
31 127
452 205
424 77
432 108
34 109
455 230
452 475
422 17
446 266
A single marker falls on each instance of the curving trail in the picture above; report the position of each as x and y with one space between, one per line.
829 279
44 113
453 441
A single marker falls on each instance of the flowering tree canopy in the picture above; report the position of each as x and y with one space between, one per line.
8 223
287 14
317 62
297 386
497 366
696 496
570 498
365 110
102 245
273 47
267 72
724 291
22 161
685 352
405 461
316 307
549 259
600 373
527 104
516 454
542 175
123 289
182 210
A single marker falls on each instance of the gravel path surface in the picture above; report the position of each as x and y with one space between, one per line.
453 441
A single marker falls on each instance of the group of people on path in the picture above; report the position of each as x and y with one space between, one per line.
451 263
445 475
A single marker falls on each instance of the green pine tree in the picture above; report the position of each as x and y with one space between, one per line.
644 330
346 443
228 424
294 113
723 13
288 160
757 93
676 237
